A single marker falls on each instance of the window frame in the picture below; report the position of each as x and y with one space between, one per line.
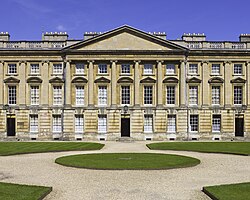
79 68
125 68
215 126
148 69
57 95
57 69
102 95
236 70
148 95
12 97
79 123
102 68
34 96
171 97
215 95
191 124
127 93
170 71
34 68
12 69
148 125
236 100
193 71
56 123
215 71
102 124
79 95
171 124
192 98
34 123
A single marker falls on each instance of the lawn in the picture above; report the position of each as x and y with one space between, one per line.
12 148
9 191
127 161
240 191
241 148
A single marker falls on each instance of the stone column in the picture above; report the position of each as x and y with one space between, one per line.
159 84
91 84
67 90
137 84
248 82
113 83
205 85
227 85
22 84
1 82
45 83
182 93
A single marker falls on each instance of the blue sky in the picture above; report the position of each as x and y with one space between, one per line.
218 19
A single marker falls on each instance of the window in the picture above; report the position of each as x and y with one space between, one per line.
33 123
12 95
193 68
238 69
148 95
216 69
148 69
194 122
79 68
79 124
34 68
125 69
102 123
12 69
57 95
102 95
170 95
34 95
215 95
171 124
57 69
148 123
238 95
170 69
216 123
79 95
57 123
102 69
193 95
125 95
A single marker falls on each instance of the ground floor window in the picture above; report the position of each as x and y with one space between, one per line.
102 123
171 127
79 124
148 123
194 123
33 123
216 123
57 123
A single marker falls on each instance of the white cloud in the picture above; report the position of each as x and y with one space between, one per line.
60 27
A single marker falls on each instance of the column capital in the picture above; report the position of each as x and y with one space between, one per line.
1 62
67 61
160 61
45 61
247 62
137 61
90 61
22 61
183 61
113 61
204 62
227 62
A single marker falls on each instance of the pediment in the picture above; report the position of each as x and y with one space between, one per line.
79 80
148 80
56 80
11 80
238 80
216 80
170 80
102 80
125 80
34 80
193 80
125 38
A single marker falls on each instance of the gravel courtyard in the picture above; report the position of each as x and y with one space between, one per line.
76 184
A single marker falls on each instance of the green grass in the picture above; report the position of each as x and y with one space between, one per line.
127 161
9 191
241 148
240 191
12 148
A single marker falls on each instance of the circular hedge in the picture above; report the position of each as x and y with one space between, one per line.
127 161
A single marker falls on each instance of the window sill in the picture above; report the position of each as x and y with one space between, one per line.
102 74
171 74
11 74
34 74
238 74
125 74
148 74
79 74
215 74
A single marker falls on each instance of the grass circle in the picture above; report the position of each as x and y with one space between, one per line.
127 161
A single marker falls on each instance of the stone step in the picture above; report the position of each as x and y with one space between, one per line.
125 139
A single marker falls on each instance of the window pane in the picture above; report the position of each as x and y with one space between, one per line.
34 68
148 123
194 123
237 94
57 69
170 94
12 69
12 95
215 95
102 69
148 69
57 124
57 95
238 69
170 69
79 95
102 123
148 95
171 123
125 95
193 68
125 69
34 95
34 123
102 95
215 68
216 123
79 124
79 68
193 95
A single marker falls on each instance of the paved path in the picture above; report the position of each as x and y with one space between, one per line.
77 184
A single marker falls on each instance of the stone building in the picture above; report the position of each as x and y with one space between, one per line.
124 83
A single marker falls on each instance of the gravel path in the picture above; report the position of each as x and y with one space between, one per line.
77 184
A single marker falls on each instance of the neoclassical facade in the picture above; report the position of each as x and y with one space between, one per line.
124 83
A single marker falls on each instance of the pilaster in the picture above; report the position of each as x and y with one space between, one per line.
205 85
45 84
183 83
91 84
137 84
113 84
248 82
67 84
22 84
228 86
1 82
159 83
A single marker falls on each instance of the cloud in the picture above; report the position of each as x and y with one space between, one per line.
32 6
60 27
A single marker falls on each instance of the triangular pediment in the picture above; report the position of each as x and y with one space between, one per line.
56 80
125 38
148 80
11 80
216 80
238 80
34 80
193 80
102 80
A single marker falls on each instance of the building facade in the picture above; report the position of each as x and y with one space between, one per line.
124 83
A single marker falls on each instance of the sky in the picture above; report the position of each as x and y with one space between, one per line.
220 20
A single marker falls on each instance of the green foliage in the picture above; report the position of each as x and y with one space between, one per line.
240 191
12 148
128 161
241 148
9 191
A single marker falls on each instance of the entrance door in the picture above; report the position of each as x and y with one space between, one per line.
11 126
125 127
239 127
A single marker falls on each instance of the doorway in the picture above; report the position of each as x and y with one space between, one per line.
11 126
239 126
125 127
